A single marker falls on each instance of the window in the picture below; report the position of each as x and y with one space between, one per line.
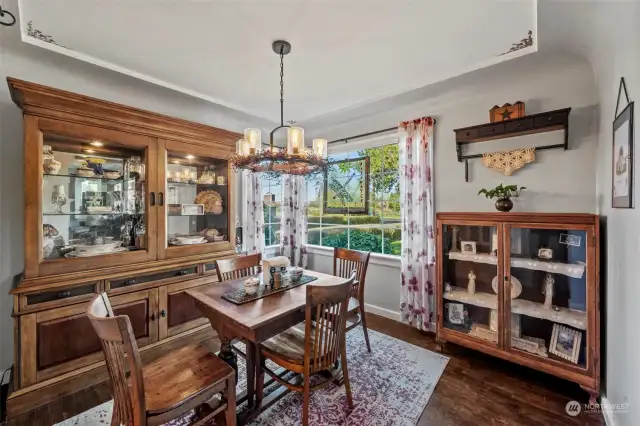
378 230
272 201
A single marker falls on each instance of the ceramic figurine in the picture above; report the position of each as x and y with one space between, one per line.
471 287
548 290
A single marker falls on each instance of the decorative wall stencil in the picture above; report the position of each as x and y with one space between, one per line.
509 161
35 33
525 42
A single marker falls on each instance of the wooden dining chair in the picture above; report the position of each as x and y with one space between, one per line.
345 261
165 389
238 267
312 347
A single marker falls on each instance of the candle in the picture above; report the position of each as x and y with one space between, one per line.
320 147
295 140
253 138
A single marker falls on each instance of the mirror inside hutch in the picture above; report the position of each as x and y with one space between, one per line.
93 198
197 199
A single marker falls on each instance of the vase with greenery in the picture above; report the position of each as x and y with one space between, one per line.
503 194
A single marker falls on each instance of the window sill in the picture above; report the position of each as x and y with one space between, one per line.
376 258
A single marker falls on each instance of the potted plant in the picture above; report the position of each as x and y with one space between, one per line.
503 194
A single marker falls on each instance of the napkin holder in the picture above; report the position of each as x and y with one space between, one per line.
269 266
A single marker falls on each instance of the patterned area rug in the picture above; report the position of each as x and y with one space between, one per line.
391 386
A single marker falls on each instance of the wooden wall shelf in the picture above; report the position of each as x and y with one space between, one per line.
543 122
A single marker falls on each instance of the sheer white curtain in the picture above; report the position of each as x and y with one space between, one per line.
293 220
418 218
252 212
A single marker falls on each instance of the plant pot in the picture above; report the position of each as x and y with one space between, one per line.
504 205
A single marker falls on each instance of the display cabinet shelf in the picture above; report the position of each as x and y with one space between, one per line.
121 178
574 270
572 317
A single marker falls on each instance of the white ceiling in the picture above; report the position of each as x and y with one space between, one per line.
345 53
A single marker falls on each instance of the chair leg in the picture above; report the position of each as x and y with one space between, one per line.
230 396
345 375
363 320
305 404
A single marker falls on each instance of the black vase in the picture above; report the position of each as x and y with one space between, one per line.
504 205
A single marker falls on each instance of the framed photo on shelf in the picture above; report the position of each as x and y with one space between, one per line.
468 247
192 209
456 313
623 156
565 343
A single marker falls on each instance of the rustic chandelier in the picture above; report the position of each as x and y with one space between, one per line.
295 158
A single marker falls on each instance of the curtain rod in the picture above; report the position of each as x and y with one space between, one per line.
362 135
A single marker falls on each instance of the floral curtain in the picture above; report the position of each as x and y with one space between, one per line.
417 218
293 220
252 213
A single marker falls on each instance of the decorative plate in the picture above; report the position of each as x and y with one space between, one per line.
211 199
516 286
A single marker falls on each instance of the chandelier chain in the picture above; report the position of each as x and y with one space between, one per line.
282 86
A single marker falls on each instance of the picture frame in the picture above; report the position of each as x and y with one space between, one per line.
570 240
346 186
456 313
565 343
623 154
545 253
192 209
468 247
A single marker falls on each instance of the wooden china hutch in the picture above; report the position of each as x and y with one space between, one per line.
523 287
129 202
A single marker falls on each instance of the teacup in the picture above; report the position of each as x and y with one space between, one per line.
251 285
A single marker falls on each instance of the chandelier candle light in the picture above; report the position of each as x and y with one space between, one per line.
295 159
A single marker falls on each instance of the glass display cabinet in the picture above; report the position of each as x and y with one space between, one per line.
196 200
89 198
523 287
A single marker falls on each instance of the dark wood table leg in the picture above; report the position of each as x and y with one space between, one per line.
251 370
259 375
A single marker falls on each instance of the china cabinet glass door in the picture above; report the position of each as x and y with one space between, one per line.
471 285
547 269
93 196
197 200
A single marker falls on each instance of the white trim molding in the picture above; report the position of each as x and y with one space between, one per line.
608 414
376 258
387 313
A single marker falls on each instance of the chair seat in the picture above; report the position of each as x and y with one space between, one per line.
182 375
288 345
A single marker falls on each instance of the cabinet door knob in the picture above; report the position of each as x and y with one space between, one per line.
550 118
152 196
163 313
160 199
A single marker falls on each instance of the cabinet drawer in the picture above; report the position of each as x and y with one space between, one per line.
551 119
520 125
58 297
494 129
466 134
162 276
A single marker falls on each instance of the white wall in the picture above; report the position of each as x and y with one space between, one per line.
31 63
614 51
558 181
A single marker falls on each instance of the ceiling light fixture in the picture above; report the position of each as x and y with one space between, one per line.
190 157
294 159
96 143
89 151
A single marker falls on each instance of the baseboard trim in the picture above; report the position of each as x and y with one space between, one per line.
383 312
607 413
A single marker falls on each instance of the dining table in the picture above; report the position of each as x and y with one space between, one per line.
253 323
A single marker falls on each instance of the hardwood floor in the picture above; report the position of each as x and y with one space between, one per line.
474 390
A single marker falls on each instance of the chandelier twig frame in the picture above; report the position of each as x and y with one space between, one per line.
294 159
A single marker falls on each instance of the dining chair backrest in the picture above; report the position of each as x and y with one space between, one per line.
345 262
117 338
325 323
238 267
